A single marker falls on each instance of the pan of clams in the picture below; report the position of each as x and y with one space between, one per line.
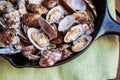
47 33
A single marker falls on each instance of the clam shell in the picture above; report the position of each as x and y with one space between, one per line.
55 14
4 4
16 40
74 5
30 52
88 28
9 37
81 43
35 1
29 33
92 7
66 23
84 16
78 5
73 33
50 30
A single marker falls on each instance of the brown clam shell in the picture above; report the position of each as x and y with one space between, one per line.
47 28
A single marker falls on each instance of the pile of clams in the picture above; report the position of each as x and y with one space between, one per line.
47 31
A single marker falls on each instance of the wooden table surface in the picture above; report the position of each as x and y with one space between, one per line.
117 3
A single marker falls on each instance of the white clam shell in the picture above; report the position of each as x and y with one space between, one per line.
29 33
55 14
78 5
81 43
73 33
35 1
4 4
66 23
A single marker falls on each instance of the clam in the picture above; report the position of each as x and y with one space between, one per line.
73 33
12 49
31 19
50 3
50 57
65 51
21 7
84 16
50 30
92 7
5 4
55 14
9 37
12 17
75 5
88 28
24 28
77 31
30 52
22 36
38 38
36 8
66 23
81 43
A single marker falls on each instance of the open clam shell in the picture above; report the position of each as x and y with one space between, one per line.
5 4
75 5
84 16
81 43
42 40
73 33
66 23
55 14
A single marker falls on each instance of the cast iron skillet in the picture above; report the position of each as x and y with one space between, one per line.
104 24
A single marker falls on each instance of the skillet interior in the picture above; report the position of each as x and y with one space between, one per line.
19 61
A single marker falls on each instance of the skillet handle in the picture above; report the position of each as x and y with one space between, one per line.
109 25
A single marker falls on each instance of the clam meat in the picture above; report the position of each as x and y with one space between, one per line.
73 33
